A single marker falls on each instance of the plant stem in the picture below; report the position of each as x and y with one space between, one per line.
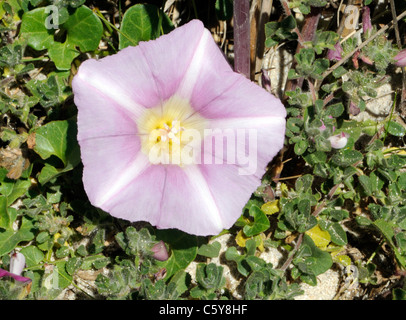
390 118
292 254
194 9
109 24
399 44
34 59
242 37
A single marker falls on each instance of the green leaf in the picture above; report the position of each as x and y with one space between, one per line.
389 234
73 264
12 189
324 39
210 250
304 207
313 261
339 72
275 31
142 22
345 158
181 279
337 233
320 65
304 183
366 184
5 220
62 54
210 276
261 222
52 91
64 279
33 255
33 28
243 266
395 129
49 172
58 138
183 250
301 147
9 239
83 29
335 110
399 294
94 261
233 255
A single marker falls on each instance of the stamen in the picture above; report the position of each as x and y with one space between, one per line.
164 130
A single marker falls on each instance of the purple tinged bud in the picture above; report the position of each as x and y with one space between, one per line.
339 141
366 60
354 110
400 58
366 19
336 53
17 263
160 251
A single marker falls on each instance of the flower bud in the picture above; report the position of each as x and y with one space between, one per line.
339 141
336 53
400 58
17 263
354 109
366 19
160 252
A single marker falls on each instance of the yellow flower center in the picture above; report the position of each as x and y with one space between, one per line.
171 132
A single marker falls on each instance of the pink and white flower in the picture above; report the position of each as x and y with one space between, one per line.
17 264
154 125
339 141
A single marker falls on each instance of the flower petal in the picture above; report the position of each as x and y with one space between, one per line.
177 59
242 99
208 65
140 200
230 190
4 273
188 203
123 78
252 143
110 164
99 115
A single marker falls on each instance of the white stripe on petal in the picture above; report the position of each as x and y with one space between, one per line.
193 71
138 166
113 91
199 184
